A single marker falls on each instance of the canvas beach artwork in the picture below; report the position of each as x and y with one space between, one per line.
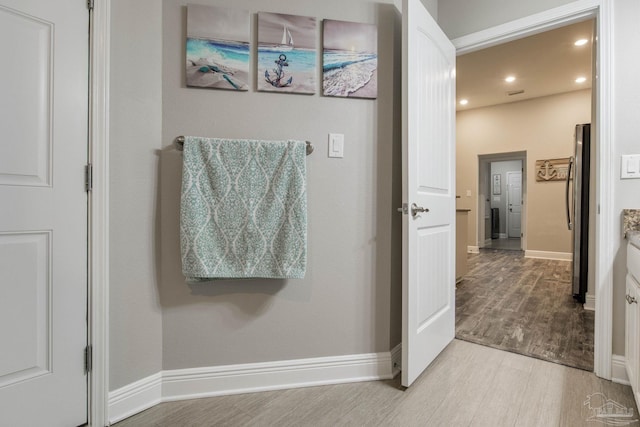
286 53
350 59
217 47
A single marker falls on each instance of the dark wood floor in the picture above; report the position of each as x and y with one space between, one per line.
524 305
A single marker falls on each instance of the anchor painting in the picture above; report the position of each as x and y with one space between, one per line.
552 169
286 53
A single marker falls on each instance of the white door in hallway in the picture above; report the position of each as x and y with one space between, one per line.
514 204
428 155
43 212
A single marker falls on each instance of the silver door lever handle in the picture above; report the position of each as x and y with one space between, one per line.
415 209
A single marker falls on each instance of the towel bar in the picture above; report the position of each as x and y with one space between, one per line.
179 141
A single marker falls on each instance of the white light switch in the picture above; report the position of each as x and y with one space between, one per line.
468 193
336 145
630 166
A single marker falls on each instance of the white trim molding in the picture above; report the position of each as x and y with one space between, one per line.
183 384
98 304
558 256
135 398
590 302
619 370
473 249
573 12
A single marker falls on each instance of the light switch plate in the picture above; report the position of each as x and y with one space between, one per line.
336 145
630 166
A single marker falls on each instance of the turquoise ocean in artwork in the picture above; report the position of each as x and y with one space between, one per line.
345 72
301 68
234 55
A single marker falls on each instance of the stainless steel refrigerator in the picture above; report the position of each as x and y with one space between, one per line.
577 201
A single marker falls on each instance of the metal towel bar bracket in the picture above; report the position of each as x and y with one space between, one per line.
179 141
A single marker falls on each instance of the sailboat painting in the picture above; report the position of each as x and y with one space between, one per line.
350 59
286 53
217 47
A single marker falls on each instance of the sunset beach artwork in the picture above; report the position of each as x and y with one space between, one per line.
350 59
217 47
286 53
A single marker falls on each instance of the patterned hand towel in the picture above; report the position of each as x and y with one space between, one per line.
243 211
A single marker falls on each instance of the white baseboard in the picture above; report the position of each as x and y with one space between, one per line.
590 302
619 370
558 256
135 397
183 384
503 236
473 250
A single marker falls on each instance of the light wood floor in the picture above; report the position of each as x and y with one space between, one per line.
467 385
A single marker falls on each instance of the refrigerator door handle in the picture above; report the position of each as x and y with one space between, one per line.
569 223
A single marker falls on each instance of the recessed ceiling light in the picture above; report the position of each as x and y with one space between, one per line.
581 79
581 42
510 79
464 101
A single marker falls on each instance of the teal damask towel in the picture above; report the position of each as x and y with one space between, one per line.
243 210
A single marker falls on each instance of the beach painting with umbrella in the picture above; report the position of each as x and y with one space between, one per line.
286 53
217 47
350 59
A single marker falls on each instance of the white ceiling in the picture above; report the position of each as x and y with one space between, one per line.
544 64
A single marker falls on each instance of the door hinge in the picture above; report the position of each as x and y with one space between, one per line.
88 177
90 4
88 358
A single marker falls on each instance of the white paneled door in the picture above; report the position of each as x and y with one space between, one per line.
43 212
514 201
428 153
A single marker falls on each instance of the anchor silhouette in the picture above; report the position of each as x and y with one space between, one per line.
276 81
550 171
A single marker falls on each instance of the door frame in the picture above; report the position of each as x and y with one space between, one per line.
487 159
550 19
98 216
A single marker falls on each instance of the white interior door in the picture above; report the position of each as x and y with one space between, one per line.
428 153
43 212
514 204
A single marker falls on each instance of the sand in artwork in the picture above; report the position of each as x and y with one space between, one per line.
217 47
286 53
350 59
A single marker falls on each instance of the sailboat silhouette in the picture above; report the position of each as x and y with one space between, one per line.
287 39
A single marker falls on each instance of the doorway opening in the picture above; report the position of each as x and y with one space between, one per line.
502 296
502 184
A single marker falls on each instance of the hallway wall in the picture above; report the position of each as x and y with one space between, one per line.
544 128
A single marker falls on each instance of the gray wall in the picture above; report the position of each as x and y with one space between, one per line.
626 106
350 300
135 137
344 304
461 17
